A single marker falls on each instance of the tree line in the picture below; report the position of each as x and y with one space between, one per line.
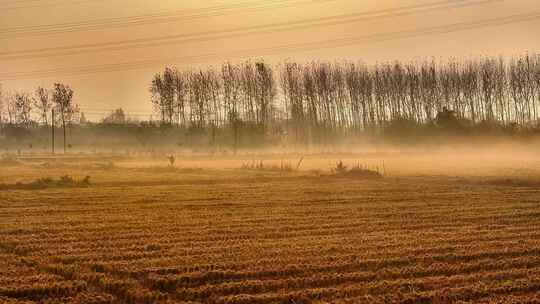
314 102
239 96
26 109
50 106
318 100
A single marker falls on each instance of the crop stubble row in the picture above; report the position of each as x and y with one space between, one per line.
355 241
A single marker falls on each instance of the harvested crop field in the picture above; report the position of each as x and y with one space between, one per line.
151 235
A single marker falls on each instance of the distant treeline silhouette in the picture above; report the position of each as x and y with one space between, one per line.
253 102
321 99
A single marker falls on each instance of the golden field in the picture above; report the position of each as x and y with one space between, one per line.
438 229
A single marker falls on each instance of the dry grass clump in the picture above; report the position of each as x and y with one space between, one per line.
169 169
513 182
260 166
283 166
65 181
357 171
84 165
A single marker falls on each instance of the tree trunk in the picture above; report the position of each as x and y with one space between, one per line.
235 137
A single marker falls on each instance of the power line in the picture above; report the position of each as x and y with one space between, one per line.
296 47
19 2
156 18
7 3
239 31
17 5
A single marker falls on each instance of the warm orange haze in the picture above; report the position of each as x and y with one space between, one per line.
280 151
60 25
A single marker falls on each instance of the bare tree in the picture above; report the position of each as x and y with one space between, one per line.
181 87
64 106
18 107
469 83
10 107
163 90
231 99
23 108
43 104
500 93
198 100
169 89
537 79
292 85
266 92
157 92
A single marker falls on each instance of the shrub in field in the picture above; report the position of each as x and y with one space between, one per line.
65 181
357 171
284 166
364 172
68 181
260 166
340 168
254 165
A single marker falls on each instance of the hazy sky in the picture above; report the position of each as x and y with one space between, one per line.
107 50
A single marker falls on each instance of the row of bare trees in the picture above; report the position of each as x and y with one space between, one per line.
235 96
44 107
25 109
355 96
243 91
313 102
320 98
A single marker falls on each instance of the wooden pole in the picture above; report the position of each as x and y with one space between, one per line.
64 129
52 130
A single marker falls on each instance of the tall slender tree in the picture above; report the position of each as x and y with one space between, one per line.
23 108
64 106
43 104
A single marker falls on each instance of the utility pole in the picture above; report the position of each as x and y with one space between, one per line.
52 129
64 129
